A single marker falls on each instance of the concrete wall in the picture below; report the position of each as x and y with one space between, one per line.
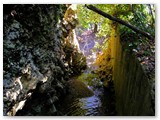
132 88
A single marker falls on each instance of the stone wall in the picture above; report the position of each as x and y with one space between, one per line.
134 91
35 65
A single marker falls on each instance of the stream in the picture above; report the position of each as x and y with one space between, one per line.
100 104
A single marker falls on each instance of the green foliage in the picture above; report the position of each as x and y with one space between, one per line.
88 17
140 17
143 20
90 79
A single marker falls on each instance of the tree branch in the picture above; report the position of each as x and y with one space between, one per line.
106 15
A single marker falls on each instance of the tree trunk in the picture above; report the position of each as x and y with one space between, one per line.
151 12
91 7
95 28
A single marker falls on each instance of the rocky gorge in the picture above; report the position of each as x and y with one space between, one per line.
73 60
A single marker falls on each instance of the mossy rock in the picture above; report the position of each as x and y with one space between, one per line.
78 89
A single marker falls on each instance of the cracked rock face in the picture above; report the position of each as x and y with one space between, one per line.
36 62
32 46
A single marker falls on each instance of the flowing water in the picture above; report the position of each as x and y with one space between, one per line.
100 104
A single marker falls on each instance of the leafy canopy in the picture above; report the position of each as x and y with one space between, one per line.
140 15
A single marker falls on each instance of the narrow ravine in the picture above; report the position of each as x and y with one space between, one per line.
101 102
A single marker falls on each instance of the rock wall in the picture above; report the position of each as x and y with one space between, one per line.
134 91
35 62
